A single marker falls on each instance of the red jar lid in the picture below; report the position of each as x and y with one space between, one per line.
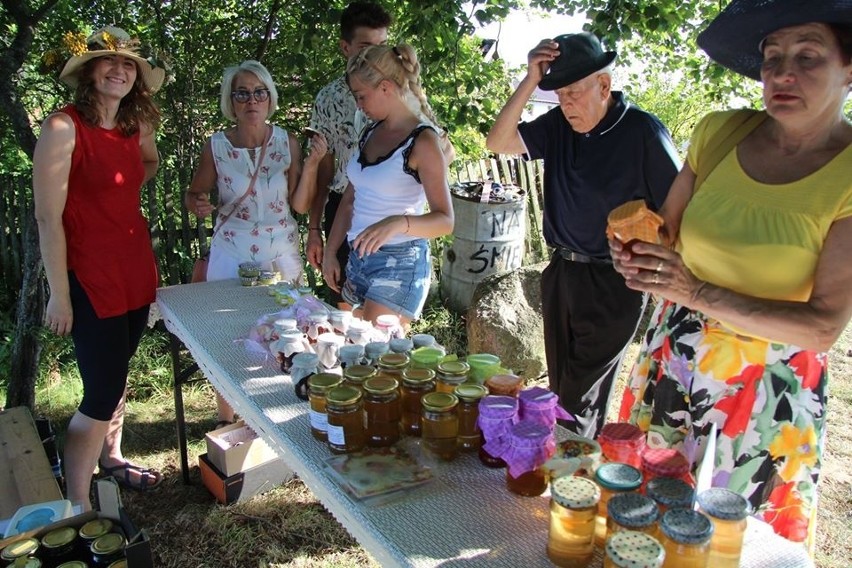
621 434
664 461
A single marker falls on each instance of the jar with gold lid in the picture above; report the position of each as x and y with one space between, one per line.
355 375
120 563
318 387
451 374
392 365
470 436
631 512
30 562
685 535
571 538
631 549
57 546
440 425
416 382
728 512
613 479
25 548
107 549
75 564
382 411
345 409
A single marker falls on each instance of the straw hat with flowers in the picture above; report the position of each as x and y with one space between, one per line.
109 40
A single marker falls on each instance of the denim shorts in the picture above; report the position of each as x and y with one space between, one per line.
395 276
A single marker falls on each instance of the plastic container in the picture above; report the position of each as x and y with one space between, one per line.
497 414
571 538
450 374
632 512
530 446
345 410
318 387
440 425
622 443
670 493
728 512
631 549
685 535
382 411
470 436
613 479
415 384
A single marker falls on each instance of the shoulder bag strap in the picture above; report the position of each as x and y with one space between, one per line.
737 127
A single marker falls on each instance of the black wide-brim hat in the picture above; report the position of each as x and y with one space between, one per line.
733 38
580 55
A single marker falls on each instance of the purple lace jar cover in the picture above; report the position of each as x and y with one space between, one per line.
530 445
497 414
541 406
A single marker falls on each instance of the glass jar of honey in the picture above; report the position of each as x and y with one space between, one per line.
93 530
571 538
530 446
631 549
540 405
685 536
392 365
355 375
57 546
318 387
664 462
382 411
451 374
26 548
107 549
728 511
613 479
670 493
415 383
631 512
345 410
470 436
622 443
497 414
440 425
504 384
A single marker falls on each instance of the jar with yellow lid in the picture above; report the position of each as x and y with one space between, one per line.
728 512
440 424
75 564
355 375
613 478
31 562
94 529
345 409
107 549
415 383
685 535
631 512
670 493
25 548
382 411
392 365
470 436
58 545
121 563
451 374
318 387
631 549
571 538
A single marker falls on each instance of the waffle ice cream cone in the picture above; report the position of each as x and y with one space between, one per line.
633 221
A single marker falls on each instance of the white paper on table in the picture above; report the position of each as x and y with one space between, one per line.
704 473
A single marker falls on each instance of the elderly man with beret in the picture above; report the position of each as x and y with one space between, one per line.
599 152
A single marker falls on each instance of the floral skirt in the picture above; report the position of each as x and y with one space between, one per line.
766 399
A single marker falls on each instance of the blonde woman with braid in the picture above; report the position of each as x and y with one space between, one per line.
398 169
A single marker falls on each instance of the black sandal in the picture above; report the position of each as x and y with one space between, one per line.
141 483
223 423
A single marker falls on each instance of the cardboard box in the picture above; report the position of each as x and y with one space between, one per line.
138 548
25 473
237 448
245 484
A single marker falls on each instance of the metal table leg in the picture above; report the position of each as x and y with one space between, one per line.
181 378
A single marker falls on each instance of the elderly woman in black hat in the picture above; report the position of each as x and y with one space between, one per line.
88 169
757 286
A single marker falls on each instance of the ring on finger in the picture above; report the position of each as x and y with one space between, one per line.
656 278
659 266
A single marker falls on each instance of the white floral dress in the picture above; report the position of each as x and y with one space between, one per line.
262 229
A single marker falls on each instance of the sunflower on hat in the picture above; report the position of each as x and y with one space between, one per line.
77 48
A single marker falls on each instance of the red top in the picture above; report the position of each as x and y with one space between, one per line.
108 243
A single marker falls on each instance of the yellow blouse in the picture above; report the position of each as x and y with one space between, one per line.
760 239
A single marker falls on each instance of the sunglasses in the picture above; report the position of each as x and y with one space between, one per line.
242 96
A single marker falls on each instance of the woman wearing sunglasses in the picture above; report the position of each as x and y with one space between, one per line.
256 169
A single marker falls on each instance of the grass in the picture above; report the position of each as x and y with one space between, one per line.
288 526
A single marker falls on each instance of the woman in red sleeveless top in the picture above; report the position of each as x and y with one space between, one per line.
88 169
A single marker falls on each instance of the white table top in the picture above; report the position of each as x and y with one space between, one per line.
464 517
